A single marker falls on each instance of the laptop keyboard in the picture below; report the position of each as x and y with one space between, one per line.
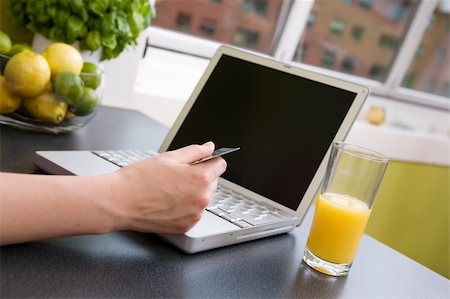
243 211
227 204
124 158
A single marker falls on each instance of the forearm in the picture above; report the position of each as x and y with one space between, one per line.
34 207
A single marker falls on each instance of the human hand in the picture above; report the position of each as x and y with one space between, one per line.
164 194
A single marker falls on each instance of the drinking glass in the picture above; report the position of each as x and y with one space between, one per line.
350 185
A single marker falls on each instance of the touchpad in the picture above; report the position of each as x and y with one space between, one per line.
211 224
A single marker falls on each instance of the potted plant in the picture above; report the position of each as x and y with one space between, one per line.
106 25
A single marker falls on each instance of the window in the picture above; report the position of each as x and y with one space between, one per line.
311 19
337 27
301 51
398 10
263 18
366 4
419 52
446 89
409 80
388 42
357 33
396 47
328 59
366 41
208 27
377 72
255 6
432 69
246 38
431 85
183 22
348 65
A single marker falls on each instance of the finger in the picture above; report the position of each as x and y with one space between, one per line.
214 167
194 152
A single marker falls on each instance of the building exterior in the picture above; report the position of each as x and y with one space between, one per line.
250 24
359 37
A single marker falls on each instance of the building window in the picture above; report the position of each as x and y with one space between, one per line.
419 52
439 57
446 90
301 51
409 80
431 69
388 42
377 72
255 6
337 27
348 64
431 21
366 4
431 85
397 10
207 27
357 33
311 19
183 22
266 18
246 38
328 59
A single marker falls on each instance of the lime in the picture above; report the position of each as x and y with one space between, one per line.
27 74
46 107
91 75
5 43
86 104
8 101
17 48
63 58
68 87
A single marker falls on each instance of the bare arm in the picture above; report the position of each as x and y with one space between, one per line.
161 194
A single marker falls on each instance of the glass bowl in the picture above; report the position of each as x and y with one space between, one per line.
53 110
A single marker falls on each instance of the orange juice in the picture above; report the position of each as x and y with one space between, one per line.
339 222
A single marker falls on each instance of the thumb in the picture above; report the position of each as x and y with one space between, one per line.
194 152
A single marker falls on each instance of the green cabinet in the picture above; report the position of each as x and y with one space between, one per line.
411 213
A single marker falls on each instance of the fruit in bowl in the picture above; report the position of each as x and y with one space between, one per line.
51 92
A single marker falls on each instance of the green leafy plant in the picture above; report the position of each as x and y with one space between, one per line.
111 25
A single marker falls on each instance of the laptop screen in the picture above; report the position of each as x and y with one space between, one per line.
283 123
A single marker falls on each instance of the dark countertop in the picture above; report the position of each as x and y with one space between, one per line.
130 264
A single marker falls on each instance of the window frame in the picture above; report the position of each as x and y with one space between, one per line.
294 26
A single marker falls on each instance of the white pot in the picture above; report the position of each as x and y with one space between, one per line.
40 43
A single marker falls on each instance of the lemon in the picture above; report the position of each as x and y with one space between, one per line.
8 101
63 58
46 107
5 43
27 74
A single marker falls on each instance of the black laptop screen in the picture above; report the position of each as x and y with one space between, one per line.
283 123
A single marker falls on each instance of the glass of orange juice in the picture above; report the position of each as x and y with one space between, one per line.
349 188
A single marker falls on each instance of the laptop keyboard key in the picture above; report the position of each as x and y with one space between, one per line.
242 211
124 158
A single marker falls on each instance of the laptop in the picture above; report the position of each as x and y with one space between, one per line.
284 120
